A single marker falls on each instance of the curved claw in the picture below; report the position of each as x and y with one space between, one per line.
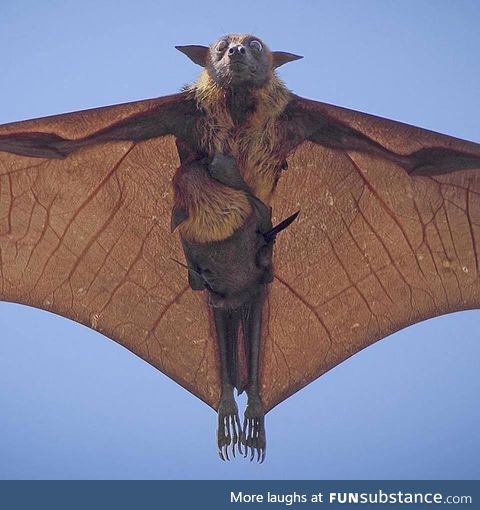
229 431
237 431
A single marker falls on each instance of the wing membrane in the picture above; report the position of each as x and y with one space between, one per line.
88 237
374 250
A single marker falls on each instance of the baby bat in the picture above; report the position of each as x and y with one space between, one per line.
388 233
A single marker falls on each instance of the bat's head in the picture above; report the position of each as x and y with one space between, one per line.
238 59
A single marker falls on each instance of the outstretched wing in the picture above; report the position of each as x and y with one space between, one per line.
389 235
88 237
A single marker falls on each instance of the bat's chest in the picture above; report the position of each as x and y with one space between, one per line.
256 150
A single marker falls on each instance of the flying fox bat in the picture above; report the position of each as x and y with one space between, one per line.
388 234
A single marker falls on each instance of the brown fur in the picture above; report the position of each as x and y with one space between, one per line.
254 144
216 211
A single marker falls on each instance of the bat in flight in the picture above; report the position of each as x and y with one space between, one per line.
388 234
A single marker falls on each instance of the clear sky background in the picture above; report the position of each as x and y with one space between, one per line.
74 404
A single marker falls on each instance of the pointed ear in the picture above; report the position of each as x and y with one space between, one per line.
282 57
197 54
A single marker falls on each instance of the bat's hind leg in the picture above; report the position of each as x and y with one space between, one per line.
253 436
229 430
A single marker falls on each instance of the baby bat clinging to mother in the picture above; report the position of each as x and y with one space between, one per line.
388 234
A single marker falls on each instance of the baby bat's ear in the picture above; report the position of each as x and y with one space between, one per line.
282 57
197 54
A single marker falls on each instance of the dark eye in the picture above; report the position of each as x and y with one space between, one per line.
256 45
222 46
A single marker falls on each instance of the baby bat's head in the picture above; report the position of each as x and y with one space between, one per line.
238 60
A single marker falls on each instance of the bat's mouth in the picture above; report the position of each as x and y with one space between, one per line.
238 65
241 71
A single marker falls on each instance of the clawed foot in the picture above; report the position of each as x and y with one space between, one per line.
229 431
253 436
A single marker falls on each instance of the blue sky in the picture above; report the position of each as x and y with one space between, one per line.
74 404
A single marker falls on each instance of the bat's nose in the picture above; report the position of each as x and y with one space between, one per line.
237 50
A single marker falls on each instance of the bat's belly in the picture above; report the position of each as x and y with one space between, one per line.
260 170
258 153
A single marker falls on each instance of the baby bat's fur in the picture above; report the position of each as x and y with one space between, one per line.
232 269
213 211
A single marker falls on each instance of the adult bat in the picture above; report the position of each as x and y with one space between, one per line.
387 236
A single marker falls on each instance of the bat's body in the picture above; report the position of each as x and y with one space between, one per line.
234 131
